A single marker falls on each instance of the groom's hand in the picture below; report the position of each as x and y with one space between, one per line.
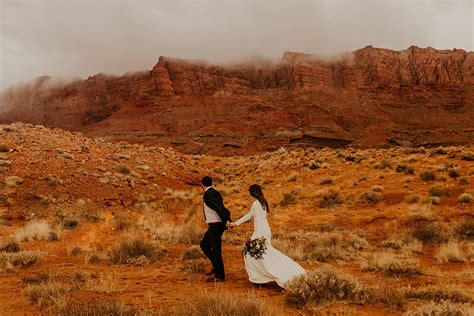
229 225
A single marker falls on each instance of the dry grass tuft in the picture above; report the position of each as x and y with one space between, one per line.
439 191
11 246
428 233
465 231
437 294
217 304
48 295
465 198
330 199
99 308
136 251
370 197
392 266
328 285
192 253
449 252
443 308
427 176
24 258
35 231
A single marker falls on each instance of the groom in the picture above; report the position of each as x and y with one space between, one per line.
216 216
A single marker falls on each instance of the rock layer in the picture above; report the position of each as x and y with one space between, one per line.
369 97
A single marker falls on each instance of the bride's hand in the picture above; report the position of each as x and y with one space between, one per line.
230 225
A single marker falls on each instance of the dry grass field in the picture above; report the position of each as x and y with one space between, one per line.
91 227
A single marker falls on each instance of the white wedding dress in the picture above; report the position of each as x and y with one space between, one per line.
274 266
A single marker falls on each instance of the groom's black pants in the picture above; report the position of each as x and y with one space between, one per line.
211 245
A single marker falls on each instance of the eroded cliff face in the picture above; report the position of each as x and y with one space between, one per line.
367 97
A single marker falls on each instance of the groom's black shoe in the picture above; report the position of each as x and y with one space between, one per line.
210 272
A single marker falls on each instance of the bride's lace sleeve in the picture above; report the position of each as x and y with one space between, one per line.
245 218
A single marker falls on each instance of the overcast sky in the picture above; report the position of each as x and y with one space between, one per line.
82 37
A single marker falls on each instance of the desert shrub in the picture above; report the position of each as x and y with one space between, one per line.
326 180
392 267
412 246
11 246
428 232
439 151
384 164
330 199
94 259
427 176
76 251
437 294
443 308
392 244
465 231
467 156
405 169
4 148
188 233
322 285
96 308
36 279
412 198
49 295
453 173
464 181
449 252
194 266
465 198
33 231
121 223
192 253
356 243
323 248
136 251
70 224
123 170
23 258
314 165
438 191
216 304
370 197
292 177
287 199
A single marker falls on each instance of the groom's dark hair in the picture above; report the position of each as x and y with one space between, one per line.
206 181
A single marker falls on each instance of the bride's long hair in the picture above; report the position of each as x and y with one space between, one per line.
256 191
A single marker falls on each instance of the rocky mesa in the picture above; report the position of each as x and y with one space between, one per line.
369 97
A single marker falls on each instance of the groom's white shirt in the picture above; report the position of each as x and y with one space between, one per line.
209 213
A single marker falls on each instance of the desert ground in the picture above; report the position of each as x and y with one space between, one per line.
93 227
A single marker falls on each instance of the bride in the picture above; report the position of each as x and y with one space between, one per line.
273 265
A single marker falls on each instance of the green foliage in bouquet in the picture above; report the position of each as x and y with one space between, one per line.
255 248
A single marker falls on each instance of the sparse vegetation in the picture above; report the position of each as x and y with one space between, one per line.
442 308
101 307
330 199
11 246
427 176
465 230
136 251
465 198
224 304
428 233
36 230
405 169
370 197
4 148
449 252
23 258
192 253
392 266
438 191
326 180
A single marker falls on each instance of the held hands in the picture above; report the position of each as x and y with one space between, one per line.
230 225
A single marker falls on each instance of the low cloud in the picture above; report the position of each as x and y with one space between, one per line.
82 38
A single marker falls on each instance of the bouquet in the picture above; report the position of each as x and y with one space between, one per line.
255 248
